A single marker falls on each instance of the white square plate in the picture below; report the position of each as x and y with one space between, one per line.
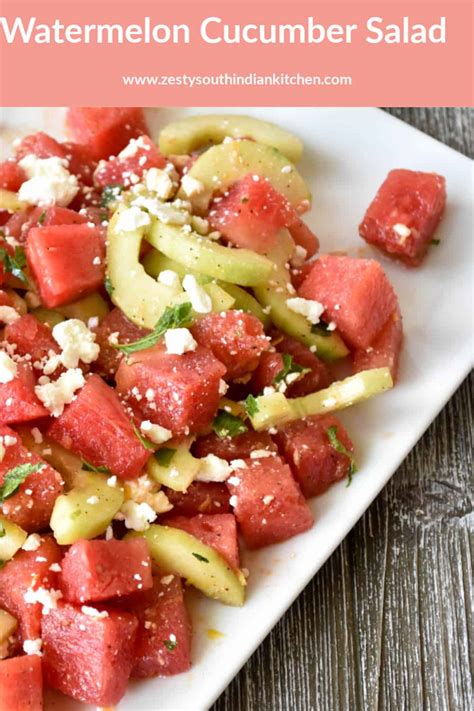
348 153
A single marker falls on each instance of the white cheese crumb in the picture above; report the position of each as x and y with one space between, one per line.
76 341
308 308
233 501
8 368
286 169
238 464
32 543
56 395
167 579
331 326
55 568
179 341
402 231
261 454
47 598
233 480
137 516
170 278
191 187
159 182
132 219
33 646
37 436
213 469
92 612
109 533
155 433
112 481
49 182
268 499
299 256
92 500
200 299
223 387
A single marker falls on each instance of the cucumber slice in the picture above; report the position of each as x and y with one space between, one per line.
177 552
8 625
238 266
85 511
246 302
194 132
11 539
221 166
9 201
179 473
276 409
48 316
86 308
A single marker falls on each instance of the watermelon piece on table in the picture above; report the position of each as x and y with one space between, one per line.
356 295
21 684
163 643
314 461
229 448
41 145
29 570
236 338
11 175
18 402
105 131
96 427
251 214
269 505
31 337
126 332
219 531
405 213
179 392
88 656
67 261
128 167
200 497
384 352
32 504
100 570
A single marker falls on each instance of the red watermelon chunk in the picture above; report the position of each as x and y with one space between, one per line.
163 645
126 332
5 298
183 390
105 131
99 570
218 531
29 570
31 338
200 497
251 214
96 427
269 505
11 175
236 338
31 505
20 222
67 261
18 402
80 162
315 463
385 349
21 684
40 145
355 293
88 657
128 167
61 216
304 237
230 448
404 214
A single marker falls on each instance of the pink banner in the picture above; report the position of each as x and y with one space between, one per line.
105 52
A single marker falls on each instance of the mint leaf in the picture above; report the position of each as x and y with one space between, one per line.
15 477
226 424
339 447
14 263
173 317
110 194
108 286
164 456
288 368
251 405
88 467
42 217
169 644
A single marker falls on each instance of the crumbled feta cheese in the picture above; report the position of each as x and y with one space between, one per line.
238 464
56 395
299 256
308 308
286 169
8 368
179 341
137 516
8 314
268 499
233 501
112 481
55 568
223 387
191 187
155 433
76 341
49 182
170 278
159 182
109 533
33 646
269 390
96 261
150 394
92 500
168 213
92 612
2 451
261 454
9 441
47 598
233 480
32 543
200 299
213 469
167 579
402 231
331 326
132 219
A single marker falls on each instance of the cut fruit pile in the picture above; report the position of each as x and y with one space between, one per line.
170 365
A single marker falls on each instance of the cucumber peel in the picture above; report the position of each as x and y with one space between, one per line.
12 538
179 473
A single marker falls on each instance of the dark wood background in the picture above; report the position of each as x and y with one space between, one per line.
386 623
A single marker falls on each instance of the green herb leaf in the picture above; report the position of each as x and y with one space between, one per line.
339 447
108 286
435 242
146 442
14 264
226 424
110 194
88 467
200 557
173 317
164 456
42 218
288 368
251 405
15 477
2 530
169 644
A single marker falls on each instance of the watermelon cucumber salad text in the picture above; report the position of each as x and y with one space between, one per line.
171 362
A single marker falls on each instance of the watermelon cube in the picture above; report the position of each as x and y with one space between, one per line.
179 392
31 505
128 167
96 427
29 570
163 645
61 216
304 237
385 349
80 162
67 261
405 213
99 570
21 684
218 531
315 463
356 295
88 654
251 214
40 145
18 402
11 175
19 223
268 503
105 131
31 337
126 332
229 448
236 338
200 497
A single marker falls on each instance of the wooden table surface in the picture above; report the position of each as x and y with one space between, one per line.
386 623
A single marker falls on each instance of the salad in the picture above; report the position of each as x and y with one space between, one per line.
172 356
